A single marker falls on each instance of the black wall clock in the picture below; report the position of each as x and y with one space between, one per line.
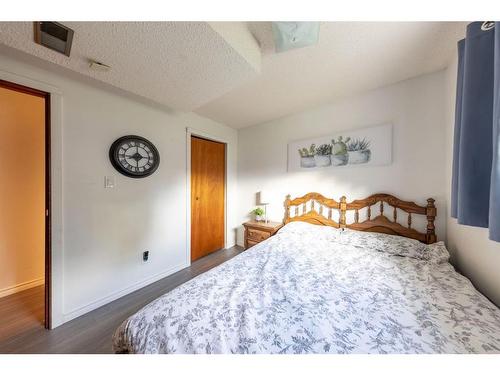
134 156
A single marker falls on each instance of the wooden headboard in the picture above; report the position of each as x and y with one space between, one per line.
328 208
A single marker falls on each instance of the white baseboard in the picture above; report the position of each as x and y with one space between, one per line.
22 286
67 316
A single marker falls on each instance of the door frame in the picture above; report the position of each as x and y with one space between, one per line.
209 137
48 212
56 315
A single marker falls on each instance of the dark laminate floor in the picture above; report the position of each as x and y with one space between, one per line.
91 333
22 312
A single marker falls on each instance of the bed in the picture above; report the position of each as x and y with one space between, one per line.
330 281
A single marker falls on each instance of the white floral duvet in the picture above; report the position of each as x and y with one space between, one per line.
314 289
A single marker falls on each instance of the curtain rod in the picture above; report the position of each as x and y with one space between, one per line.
487 25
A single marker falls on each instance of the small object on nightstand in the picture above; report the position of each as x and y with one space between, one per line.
258 212
264 201
256 232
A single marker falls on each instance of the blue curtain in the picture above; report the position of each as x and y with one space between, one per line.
476 162
494 218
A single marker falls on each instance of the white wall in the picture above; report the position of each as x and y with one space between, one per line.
105 231
414 107
472 252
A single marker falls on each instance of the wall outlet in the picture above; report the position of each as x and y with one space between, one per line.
145 256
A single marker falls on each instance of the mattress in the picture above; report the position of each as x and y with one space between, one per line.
316 289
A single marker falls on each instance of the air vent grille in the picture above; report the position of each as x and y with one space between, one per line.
55 36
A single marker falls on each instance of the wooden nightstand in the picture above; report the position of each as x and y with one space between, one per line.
258 231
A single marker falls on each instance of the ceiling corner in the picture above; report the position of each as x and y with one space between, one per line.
241 39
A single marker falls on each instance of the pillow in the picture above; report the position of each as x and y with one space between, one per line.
301 227
437 252
386 243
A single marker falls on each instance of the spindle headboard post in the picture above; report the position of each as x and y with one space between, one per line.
431 216
287 208
343 210
380 223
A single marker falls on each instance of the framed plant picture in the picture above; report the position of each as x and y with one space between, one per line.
357 147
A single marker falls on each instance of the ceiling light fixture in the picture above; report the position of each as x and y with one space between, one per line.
290 35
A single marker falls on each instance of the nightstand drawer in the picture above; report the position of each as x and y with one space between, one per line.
257 235
258 231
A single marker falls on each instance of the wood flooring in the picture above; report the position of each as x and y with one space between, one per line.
22 312
92 332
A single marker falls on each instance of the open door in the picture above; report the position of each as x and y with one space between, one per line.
24 208
208 180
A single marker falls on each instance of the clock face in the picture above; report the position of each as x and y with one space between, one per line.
134 156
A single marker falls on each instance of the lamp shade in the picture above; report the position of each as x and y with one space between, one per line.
263 197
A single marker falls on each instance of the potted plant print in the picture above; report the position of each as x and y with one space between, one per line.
323 155
358 151
259 214
339 151
307 157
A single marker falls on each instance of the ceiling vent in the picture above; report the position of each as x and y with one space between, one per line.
55 36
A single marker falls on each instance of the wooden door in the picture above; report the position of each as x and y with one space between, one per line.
28 144
208 175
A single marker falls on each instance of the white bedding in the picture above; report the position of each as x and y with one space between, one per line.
313 289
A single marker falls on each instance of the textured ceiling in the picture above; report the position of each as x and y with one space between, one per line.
229 72
349 58
180 64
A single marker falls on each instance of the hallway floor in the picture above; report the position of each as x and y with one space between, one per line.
22 312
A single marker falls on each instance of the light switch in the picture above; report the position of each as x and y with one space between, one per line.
109 182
